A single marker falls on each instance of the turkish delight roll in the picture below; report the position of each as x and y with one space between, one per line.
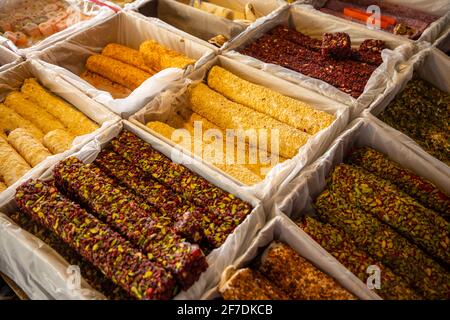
12 165
117 71
126 55
230 115
116 90
32 150
2 186
248 284
32 112
298 277
74 120
356 260
95 241
58 141
159 57
406 259
389 204
417 187
10 120
282 108
337 45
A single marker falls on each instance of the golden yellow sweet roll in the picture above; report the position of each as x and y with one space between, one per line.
3 186
74 120
116 90
230 115
12 165
127 55
117 71
293 112
31 149
159 57
237 171
58 141
10 120
32 112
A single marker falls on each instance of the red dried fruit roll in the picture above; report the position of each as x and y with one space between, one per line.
95 241
336 45
121 209
296 37
91 274
417 187
389 204
225 211
342 247
383 243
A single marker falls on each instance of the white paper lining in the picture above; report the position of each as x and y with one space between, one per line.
166 104
13 78
68 58
8 58
40 272
314 24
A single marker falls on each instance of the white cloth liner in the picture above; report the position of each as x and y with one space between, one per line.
101 13
431 65
27 261
436 7
8 58
13 78
166 104
296 198
283 229
314 24
443 43
67 58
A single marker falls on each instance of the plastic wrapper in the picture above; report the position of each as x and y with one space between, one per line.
200 24
429 65
8 58
282 229
315 25
55 29
13 78
164 107
68 58
439 8
24 258
297 197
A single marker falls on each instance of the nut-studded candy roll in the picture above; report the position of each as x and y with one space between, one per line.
12 165
74 120
226 211
58 141
117 71
247 284
346 251
337 45
95 241
10 120
282 108
127 55
417 187
2 186
298 277
32 150
390 205
407 260
230 115
32 112
116 90
142 224
158 57
91 274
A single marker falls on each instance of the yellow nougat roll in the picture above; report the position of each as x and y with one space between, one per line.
74 120
3 186
159 57
230 115
238 171
117 71
116 90
31 149
10 120
32 112
12 165
293 112
127 55
58 141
